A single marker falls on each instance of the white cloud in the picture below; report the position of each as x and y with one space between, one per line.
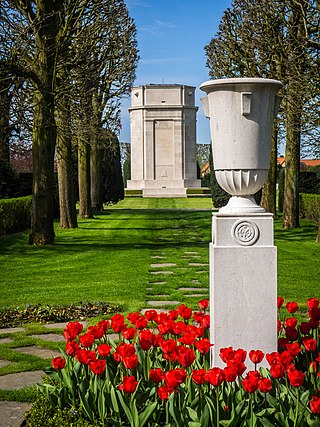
164 24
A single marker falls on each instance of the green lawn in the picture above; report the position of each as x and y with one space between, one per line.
108 258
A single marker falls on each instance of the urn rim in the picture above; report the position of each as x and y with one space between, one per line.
207 85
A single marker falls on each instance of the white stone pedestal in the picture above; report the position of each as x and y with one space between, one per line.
243 284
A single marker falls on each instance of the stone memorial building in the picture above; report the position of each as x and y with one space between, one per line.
163 140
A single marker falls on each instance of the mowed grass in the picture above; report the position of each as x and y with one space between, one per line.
109 258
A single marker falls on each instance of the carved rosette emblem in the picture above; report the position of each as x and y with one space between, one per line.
245 232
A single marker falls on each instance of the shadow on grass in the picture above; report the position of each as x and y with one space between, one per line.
307 232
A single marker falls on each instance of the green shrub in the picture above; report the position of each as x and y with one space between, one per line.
42 414
15 214
280 189
309 182
310 208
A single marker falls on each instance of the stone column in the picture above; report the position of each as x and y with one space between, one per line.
243 284
243 260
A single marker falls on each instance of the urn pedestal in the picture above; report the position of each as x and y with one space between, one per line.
243 260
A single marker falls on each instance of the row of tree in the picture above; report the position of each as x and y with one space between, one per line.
276 39
65 64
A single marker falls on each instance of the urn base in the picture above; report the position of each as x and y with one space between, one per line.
241 205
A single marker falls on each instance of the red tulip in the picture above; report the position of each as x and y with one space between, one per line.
72 330
188 338
265 385
256 356
292 307
130 362
291 321
315 405
203 345
199 376
164 392
146 339
98 366
294 348
175 377
216 376
184 311
203 304
58 363
129 385
156 375
117 322
250 383
132 317
71 348
310 344
280 302
104 324
86 340
277 370
313 303
104 350
226 354
96 331
129 333
296 378
151 315
86 356
186 356
168 346
305 328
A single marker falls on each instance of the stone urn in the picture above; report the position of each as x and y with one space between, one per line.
241 113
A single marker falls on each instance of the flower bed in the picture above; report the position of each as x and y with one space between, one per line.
158 373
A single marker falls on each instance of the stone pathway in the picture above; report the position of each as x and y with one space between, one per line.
12 412
160 267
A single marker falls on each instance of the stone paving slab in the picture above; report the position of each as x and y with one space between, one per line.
4 363
193 289
161 272
197 264
11 330
62 325
192 253
163 264
158 257
42 353
5 340
20 380
162 303
194 296
12 413
158 283
49 337
195 281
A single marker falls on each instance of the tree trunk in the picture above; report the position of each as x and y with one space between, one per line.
44 139
292 156
96 177
5 128
85 210
269 192
68 214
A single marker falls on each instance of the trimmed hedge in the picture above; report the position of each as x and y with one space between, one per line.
310 208
15 214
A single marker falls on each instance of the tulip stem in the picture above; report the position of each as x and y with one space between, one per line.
217 403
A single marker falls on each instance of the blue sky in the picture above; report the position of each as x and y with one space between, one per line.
171 38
